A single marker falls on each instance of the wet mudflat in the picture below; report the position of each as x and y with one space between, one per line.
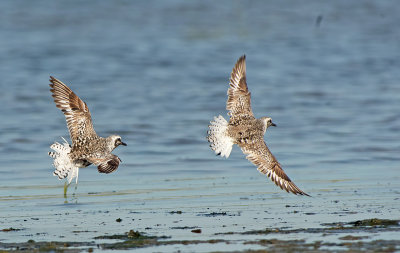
156 73
351 237
237 217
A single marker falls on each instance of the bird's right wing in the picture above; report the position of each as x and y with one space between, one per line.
239 97
76 111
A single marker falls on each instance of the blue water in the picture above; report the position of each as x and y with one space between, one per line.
156 72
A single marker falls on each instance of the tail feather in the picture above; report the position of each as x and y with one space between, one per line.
62 163
219 141
53 154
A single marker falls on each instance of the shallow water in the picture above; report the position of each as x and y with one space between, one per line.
156 73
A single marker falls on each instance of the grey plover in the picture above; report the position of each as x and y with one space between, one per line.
246 131
87 147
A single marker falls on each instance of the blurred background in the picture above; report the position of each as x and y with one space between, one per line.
156 73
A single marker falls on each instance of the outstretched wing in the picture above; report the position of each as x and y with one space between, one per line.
258 153
106 165
76 112
239 102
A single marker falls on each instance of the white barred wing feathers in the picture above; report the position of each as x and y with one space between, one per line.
239 101
76 112
258 153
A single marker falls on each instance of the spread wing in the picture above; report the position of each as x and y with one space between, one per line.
106 165
239 104
76 112
258 153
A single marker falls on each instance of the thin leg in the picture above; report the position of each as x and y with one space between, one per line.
77 174
75 188
65 189
76 181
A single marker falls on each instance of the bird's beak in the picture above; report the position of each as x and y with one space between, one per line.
273 124
123 143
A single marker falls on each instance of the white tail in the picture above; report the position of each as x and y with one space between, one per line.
219 141
63 164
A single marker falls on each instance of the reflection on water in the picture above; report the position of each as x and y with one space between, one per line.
156 73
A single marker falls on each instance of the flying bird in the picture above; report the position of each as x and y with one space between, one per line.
87 147
246 131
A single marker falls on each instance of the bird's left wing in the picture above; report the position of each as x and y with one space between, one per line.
258 153
107 164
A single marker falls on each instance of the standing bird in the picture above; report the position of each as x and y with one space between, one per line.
87 147
246 131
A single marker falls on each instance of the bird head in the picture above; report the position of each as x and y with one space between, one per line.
115 141
267 122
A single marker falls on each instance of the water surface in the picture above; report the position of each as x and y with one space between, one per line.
156 73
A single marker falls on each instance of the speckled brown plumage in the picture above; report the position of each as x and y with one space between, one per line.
247 131
87 147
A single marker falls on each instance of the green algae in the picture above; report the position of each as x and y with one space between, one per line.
132 234
349 242
352 238
370 225
271 245
129 240
367 224
275 245
33 246
375 222
10 229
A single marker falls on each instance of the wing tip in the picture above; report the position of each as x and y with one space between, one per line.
238 75
301 193
287 186
51 83
53 80
241 60
296 190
